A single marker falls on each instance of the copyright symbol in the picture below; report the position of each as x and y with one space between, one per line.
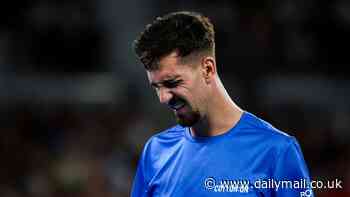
209 183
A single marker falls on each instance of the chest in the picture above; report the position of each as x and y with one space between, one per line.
212 171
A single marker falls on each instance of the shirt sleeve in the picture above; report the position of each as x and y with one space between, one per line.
291 173
139 186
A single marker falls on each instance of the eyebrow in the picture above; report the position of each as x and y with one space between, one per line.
167 79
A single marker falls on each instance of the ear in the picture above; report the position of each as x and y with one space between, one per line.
208 68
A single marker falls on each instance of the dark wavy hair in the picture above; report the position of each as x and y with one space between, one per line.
186 32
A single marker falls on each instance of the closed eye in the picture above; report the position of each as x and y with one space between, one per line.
155 86
171 83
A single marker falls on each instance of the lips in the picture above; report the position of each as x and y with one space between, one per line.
176 105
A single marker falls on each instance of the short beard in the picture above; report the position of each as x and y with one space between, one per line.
188 120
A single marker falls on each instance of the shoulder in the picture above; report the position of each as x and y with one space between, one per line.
279 146
164 139
265 132
160 148
168 135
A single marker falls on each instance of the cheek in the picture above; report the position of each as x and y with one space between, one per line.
194 89
202 93
195 96
199 86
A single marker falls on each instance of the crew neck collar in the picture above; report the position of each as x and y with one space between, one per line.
189 136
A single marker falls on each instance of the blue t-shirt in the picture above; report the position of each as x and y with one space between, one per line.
252 159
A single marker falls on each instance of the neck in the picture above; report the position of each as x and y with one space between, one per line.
222 114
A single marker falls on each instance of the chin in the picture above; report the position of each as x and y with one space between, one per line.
184 123
188 120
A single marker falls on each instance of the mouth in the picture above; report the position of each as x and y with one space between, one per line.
177 105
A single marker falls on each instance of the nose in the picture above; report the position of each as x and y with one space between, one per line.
164 95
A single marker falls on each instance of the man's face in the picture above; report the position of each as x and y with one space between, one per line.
181 87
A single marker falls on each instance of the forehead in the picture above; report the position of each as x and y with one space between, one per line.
170 67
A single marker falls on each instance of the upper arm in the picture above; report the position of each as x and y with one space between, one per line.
291 168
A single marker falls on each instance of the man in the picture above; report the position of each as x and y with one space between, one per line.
217 149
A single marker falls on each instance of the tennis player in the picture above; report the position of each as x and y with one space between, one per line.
216 149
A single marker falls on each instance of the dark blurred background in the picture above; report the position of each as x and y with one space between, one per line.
76 107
